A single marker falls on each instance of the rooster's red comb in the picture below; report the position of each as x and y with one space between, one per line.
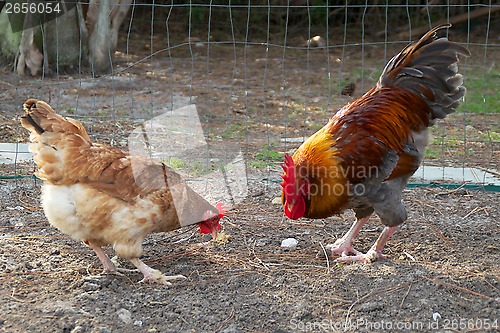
289 169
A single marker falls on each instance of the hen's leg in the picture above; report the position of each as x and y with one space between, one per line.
108 265
343 246
375 252
153 275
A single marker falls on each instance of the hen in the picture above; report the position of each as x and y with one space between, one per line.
363 157
101 195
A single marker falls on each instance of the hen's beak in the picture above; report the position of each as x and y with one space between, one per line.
214 233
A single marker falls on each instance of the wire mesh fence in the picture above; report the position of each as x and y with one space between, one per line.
263 76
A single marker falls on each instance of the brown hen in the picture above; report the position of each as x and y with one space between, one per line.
103 196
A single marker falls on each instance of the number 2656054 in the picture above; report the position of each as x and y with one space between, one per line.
470 324
33 7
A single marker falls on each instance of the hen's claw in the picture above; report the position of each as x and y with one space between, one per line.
154 275
158 277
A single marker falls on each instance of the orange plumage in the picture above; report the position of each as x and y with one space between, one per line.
363 157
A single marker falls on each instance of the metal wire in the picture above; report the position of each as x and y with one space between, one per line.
261 100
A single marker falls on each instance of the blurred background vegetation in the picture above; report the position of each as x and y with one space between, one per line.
309 17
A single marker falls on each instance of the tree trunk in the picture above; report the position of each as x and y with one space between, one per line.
65 43
70 41
99 41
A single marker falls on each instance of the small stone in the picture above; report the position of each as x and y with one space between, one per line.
436 316
289 243
138 323
124 316
15 208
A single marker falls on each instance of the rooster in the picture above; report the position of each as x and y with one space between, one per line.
363 157
101 195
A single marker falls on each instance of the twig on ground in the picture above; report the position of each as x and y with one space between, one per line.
374 293
453 286
440 234
474 211
225 321
430 206
404 297
409 256
453 190
326 256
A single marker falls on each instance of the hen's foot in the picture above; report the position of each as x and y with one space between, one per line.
157 277
154 275
366 258
108 266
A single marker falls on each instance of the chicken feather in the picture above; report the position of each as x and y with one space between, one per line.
363 157
101 195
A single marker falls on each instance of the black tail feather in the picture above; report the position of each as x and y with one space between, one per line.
33 123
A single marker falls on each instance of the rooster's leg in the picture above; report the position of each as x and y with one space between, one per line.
108 265
343 246
375 252
154 275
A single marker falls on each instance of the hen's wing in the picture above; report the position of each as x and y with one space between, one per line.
66 156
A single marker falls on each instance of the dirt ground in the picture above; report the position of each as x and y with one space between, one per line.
442 269
441 275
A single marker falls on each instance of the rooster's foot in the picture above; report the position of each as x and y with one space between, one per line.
368 257
343 248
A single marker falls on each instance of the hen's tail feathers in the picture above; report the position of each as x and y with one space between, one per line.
39 118
429 68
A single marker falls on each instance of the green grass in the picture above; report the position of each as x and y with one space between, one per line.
482 91
70 110
431 154
199 168
194 168
266 157
234 131
491 136
175 163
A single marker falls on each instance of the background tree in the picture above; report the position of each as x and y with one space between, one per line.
86 34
